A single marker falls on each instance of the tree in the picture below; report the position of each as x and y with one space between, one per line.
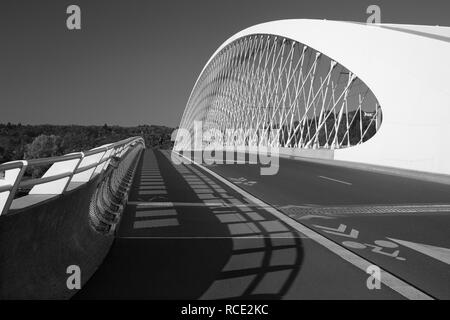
2 154
44 146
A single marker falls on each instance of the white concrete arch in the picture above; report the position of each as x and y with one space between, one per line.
407 69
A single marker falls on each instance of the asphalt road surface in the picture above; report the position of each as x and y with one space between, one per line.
308 232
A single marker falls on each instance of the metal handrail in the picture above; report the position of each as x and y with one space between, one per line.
75 169
88 167
11 165
34 182
52 160
6 187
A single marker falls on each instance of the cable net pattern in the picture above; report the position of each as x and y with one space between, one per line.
266 90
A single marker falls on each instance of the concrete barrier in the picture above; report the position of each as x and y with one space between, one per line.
66 222
38 243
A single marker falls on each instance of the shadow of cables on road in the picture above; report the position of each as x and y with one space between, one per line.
184 235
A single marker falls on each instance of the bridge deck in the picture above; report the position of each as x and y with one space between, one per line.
185 234
398 223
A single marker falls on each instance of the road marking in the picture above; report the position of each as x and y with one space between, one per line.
140 204
346 210
243 180
237 237
377 248
173 204
313 216
290 206
438 253
340 231
387 278
155 213
155 223
335 180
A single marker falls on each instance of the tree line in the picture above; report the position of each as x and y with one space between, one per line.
19 141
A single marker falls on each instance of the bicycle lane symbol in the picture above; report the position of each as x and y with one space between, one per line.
243 180
383 247
377 248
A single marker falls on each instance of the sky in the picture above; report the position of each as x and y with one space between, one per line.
135 62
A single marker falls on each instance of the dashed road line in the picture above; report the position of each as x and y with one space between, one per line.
336 180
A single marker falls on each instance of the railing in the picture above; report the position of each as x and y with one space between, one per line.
69 170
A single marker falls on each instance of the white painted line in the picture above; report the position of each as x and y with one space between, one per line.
155 213
140 204
152 192
438 253
335 180
157 223
174 204
310 205
387 278
152 187
206 237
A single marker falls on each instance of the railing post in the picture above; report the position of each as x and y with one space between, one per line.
60 185
104 162
90 160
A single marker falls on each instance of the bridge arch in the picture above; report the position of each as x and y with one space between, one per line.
404 67
279 92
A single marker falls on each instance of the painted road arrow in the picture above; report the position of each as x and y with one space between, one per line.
438 253
340 231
